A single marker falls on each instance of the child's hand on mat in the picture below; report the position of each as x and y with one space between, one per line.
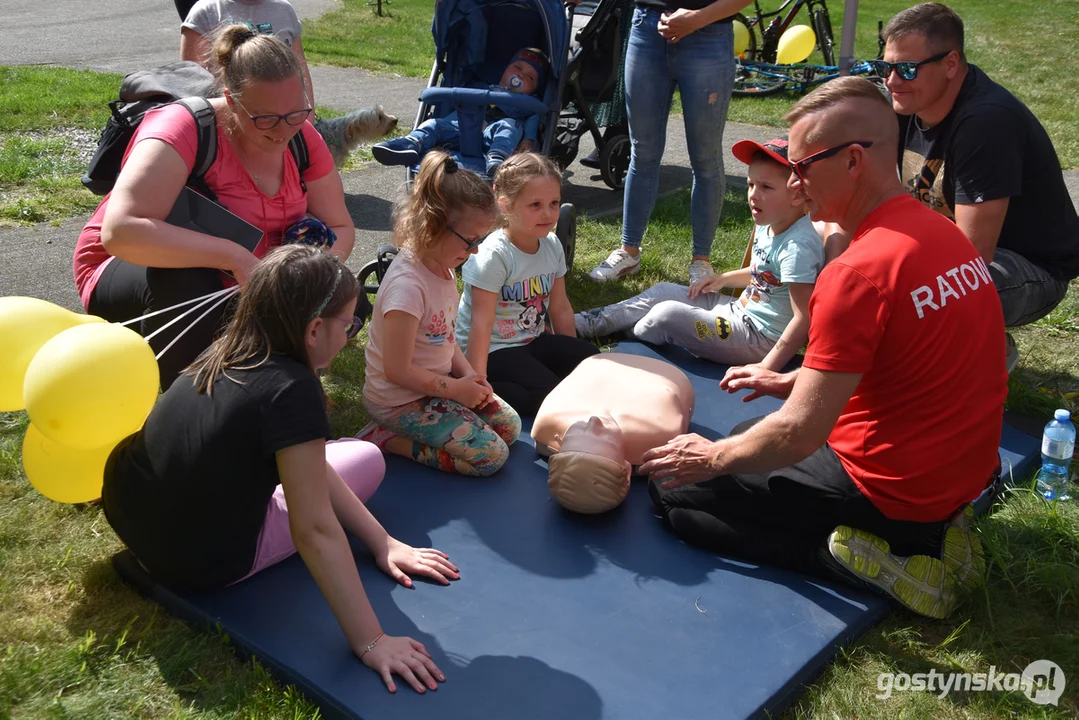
406 657
711 283
762 382
398 559
684 460
473 391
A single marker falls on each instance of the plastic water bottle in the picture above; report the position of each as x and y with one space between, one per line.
1058 445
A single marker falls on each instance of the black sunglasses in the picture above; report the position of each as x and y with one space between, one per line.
352 329
470 244
269 122
798 167
907 69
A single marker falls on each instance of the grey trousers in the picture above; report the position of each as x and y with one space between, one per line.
710 326
1027 292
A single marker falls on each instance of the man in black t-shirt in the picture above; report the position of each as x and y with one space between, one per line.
973 152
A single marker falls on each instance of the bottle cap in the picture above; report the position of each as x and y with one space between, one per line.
1062 415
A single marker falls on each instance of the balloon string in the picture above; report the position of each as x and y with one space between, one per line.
200 317
178 305
204 302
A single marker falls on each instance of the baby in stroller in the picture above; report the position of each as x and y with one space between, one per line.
505 133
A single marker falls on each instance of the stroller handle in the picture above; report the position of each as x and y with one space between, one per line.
506 101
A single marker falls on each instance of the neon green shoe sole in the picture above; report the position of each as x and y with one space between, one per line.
920 582
963 554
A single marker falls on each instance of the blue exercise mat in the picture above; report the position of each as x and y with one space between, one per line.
557 615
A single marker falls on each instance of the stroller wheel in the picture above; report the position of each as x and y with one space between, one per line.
377 267
614 161
566 230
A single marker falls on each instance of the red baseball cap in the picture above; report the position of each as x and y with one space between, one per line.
776 149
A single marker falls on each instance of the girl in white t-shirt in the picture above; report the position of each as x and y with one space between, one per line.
515 284
425 399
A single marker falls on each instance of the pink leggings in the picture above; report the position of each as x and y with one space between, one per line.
360 464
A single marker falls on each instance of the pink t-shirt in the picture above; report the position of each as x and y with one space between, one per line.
410 287
227 177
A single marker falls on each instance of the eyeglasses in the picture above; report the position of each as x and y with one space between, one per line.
470 244
269 122
798 168
908 70
352 329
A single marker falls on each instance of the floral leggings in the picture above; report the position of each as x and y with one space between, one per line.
450 437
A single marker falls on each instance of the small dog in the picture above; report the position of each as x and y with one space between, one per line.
344 134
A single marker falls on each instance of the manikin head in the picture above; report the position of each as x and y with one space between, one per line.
590 473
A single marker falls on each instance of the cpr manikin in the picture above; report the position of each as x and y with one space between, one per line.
590 474
619 406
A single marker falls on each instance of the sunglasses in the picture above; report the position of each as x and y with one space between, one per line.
269 122
470 244
908 70
798 168
352 329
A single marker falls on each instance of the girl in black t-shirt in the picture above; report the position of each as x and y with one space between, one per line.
232 471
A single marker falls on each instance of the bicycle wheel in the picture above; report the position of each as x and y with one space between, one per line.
752 80
822 25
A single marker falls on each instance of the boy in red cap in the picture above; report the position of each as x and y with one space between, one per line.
769 322
525 73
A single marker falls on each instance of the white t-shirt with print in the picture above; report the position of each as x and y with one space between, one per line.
796 255
267 17
522 284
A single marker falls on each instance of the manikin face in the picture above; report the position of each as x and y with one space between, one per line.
598 435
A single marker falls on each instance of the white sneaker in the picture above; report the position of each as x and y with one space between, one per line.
699 269
617 265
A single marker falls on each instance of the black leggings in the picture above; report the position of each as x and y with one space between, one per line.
184 7
125 291
784 517
524 375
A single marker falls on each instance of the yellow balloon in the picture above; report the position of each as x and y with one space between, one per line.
91 385
61 473
741 38
25 325
795 45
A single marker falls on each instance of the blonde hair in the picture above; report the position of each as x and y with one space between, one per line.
440 188
242 56
519 170
587 483
287 289
834 92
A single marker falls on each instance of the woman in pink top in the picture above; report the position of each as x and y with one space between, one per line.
129 261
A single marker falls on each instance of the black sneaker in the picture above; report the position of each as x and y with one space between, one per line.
391 153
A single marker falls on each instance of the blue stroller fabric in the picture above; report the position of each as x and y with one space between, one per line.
557 615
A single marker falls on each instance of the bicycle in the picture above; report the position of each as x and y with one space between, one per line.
765 50
760 79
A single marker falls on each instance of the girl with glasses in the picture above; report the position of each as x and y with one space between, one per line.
130 262
232 472
426 400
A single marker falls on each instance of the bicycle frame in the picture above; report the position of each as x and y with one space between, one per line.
770 35
801 76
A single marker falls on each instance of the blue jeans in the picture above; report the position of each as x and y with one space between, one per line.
701 65
500 138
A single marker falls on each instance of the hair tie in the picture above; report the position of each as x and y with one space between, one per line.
450 166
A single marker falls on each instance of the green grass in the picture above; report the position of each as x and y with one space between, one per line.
76 642
1030 48
40 170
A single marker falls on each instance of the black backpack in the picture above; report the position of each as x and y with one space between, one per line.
183 82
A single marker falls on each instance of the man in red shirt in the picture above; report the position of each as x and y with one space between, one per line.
892 424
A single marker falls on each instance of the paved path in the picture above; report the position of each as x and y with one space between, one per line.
145 33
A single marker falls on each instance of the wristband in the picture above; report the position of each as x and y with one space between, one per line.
371 645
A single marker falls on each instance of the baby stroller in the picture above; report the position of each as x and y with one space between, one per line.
474 41
594 95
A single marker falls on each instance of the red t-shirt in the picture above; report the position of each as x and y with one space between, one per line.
227 177
911 306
